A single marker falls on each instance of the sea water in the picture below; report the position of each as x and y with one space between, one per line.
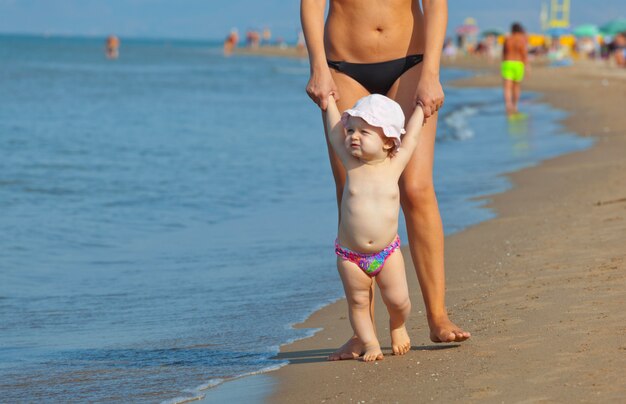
168 216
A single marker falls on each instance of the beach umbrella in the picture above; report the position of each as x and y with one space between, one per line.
586 30
614 27
467 29
492 31
557 31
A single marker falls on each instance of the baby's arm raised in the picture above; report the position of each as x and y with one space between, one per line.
335 130
411 137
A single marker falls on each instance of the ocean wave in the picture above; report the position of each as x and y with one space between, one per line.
198 392
456 124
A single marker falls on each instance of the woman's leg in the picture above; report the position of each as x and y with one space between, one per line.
423 220
357 286
395 294
350 92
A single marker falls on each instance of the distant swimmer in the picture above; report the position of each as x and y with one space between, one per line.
231 41
266 38
301 44
112 49
514 60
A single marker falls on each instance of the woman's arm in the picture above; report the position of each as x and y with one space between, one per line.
429 93
321 83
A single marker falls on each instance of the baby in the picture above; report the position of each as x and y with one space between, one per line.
367 140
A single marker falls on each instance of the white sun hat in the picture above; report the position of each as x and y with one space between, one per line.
380 111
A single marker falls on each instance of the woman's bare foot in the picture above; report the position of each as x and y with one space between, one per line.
352 349
444 330
373 353
400 341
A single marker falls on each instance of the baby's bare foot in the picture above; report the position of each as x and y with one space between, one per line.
350 350
444 330
400 341
373 353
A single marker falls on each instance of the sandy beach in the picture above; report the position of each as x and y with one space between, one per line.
169 211
542 287
276 51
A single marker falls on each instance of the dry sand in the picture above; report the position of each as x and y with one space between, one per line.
542 287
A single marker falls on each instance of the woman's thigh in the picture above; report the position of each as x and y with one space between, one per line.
350 90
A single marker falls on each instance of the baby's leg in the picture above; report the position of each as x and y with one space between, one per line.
357 284
395 294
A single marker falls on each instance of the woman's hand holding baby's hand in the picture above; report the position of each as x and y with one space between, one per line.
429 95
320 86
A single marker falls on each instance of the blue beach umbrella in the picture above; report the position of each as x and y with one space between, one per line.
467 29
614 27
491 31
557 31
586 30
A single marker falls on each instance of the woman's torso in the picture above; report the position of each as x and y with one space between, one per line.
367 31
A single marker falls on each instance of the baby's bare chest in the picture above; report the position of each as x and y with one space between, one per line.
373 189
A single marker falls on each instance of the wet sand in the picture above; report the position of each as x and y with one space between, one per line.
542 287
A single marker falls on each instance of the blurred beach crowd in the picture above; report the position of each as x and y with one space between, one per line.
254 39
558 45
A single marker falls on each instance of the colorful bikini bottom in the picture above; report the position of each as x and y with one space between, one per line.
371 263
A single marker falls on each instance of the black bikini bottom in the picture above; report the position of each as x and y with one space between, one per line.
377 77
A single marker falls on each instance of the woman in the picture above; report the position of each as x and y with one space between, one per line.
393 48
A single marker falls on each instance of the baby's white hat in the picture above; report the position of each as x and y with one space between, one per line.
380 111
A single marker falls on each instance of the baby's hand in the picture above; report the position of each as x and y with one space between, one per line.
332 103
332 113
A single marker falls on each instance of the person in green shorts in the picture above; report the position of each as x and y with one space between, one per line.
514 61
512 70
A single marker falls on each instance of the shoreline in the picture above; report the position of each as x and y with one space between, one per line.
318 380
271 51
